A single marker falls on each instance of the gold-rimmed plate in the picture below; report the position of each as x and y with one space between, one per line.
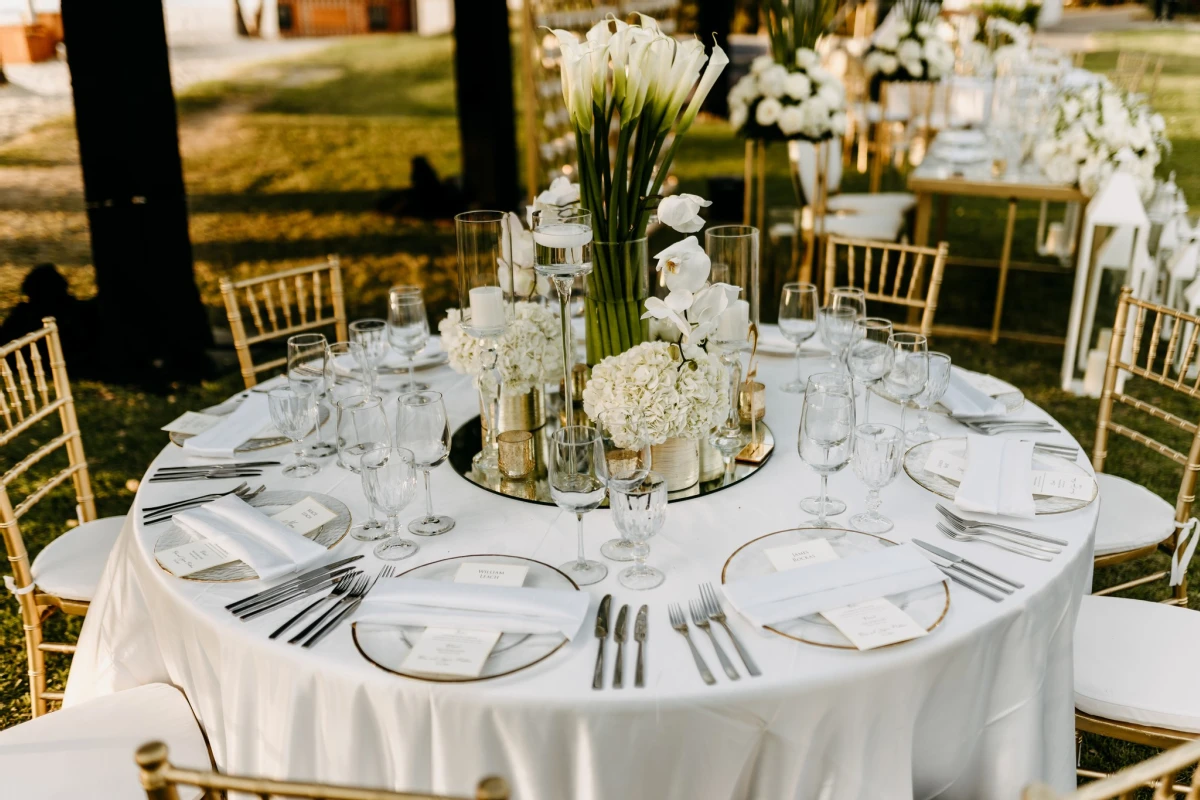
1009 396
917 456
386 646
250 445
269 503
927 606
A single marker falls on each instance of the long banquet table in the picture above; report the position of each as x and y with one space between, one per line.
976 709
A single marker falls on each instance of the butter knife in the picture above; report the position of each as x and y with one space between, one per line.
619 635
639 635
601 634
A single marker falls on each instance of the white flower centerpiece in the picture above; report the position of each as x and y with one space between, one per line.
800 100
910 48
1096 130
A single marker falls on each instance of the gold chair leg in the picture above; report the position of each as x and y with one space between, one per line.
37 669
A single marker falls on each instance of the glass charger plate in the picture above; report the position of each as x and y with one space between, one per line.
386 646
250 444
927 606
917 455
420 363
269 503
467 441
1013 399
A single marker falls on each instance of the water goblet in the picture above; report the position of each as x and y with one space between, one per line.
639 512
294 413
836 324
910 369
361 426
389 479
622 460
849 297
423 428
833 381
306 364
798 323
826 437
372 335
870 356
343 376
876 457
577 488
935 386
408 330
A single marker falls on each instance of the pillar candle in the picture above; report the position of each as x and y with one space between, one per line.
734 323
487 307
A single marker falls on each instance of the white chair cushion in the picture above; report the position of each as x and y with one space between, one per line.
1135 661
878 203
87 750
1131 516
880 227
70 566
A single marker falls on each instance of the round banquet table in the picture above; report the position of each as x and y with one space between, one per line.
978 708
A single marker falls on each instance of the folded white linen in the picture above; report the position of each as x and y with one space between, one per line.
442 604
999 477
270 548
810 589
772 342
964 400
241 424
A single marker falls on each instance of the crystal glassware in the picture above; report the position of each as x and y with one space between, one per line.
876 461
294 412
935 386
639 512
562 242
306 364
836 324
870 356
343 375
910 369
849 297
734 253
408 329
834 381
576 487
798 323
361 426
372 335
826 436
389 479
423 428
622 460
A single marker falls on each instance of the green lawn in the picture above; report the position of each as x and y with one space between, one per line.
288 162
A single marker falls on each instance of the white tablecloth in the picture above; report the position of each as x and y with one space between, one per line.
977 709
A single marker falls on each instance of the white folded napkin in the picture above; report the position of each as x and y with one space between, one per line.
442 604
998 478
271 548
810 589
240 425
772 342
962 399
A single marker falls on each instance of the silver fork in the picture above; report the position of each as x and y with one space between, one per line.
679 623
1031 544
347 605
164 516
712 605
966 525
962 536
357 589
339 589
700 620
991 428
152 511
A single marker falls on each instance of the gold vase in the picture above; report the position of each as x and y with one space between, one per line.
678 461
518 412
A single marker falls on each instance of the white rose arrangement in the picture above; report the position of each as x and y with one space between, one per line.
910 49
1096 130
800 100
530 354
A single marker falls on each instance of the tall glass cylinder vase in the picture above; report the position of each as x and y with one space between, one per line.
616 297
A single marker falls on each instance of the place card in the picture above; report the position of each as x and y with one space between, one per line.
814 551
987 384
191 423
1063 484
305 517
874 623
192 557
950 466
451 652
491 574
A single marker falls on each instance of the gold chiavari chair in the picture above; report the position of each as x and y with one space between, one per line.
279 306
160 779
1131 73
1159 772
66 572
890 273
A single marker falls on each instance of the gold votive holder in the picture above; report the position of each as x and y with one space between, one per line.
515 452
752 399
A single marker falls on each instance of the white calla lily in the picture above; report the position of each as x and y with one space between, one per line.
684 265
716 64
682 212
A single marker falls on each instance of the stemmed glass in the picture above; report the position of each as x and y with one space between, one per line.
293 412
408 330
849 297
935 386
306 364
577 488
826 436
422 427
870 358
838 382
639 512
910 370
836 324
372 335
341 377
622 461
876 460
798 323
361 426
389 479
563 251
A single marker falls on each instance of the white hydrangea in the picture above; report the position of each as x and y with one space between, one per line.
798 100
910 50
530 353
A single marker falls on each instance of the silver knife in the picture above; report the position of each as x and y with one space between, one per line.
991 584
288 585
619 635
977 588
953 559
639 636
601 634
307 589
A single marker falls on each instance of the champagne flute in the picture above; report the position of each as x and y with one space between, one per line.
870 356
935 386
293 412
576 488
639 512
372 335
836 324
826 436
423 428
622 460
390 480
876 459
910 369
836 382
361 426
798 323
563 251
408 330
306 363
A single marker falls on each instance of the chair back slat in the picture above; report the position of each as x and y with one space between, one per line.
301 299
285 302
901 275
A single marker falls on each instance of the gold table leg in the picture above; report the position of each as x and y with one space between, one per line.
924 212
1005 254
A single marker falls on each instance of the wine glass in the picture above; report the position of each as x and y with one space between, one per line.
836 324
408 329
639 512
798 323
343 376
372 335
870 356
423 428
563 251
935 386
909 370
622 460
294 412
826 436
831 381
849 297
389 479
306 364
576 488
361 425
876 459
